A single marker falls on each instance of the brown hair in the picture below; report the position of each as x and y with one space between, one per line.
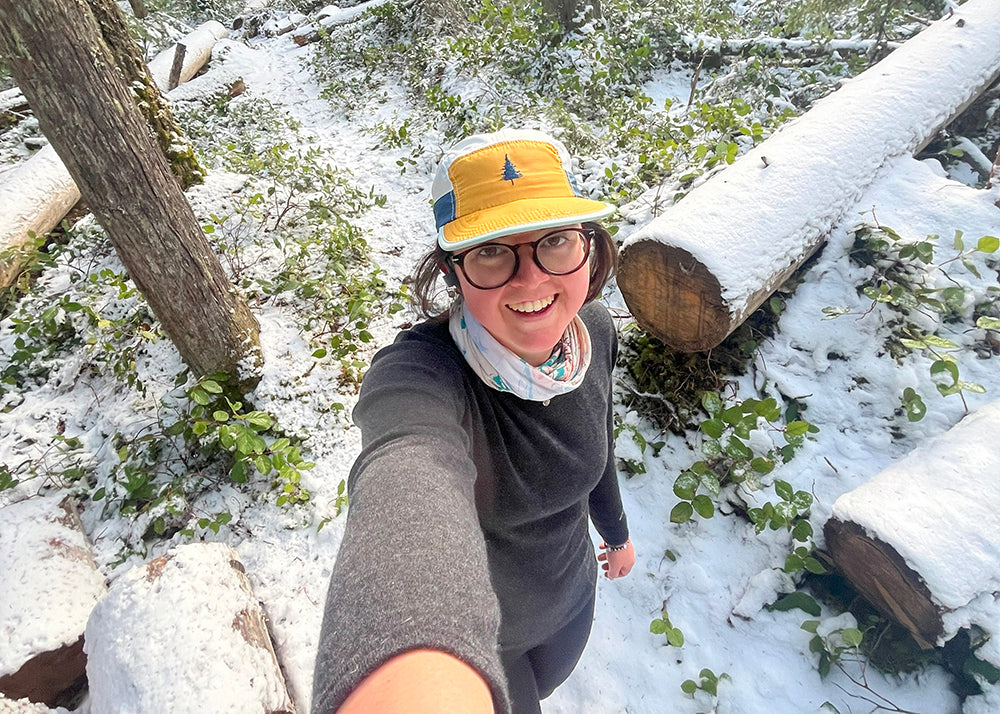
423 280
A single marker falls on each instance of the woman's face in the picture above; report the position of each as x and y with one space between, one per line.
530 313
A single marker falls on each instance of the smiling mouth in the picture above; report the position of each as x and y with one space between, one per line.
532 305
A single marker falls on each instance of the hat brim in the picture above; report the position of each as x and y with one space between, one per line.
526 214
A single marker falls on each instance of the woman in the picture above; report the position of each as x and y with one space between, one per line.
466 578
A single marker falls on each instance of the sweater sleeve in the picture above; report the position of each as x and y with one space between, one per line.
606 510
412 570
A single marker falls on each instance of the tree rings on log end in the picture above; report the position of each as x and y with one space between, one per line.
881 575
673 296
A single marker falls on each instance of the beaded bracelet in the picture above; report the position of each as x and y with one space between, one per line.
623 546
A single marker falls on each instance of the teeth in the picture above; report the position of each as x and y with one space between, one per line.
533 305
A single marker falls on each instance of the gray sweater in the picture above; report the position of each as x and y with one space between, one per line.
467 527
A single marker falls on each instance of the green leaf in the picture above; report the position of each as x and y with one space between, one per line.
688 686
988 244
199 396
796 428
813 566
686 485
711 448
710 482
658 627
261 421
738 450
793 563
681 513
211 386
797 600
762 465
675 637
784 490
238 473
703 505
220 415
802 531
852 637
713 427
711 402
802 500
940 367
988 323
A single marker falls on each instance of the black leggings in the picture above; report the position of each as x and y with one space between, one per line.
533 674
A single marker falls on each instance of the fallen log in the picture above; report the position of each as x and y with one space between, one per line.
12 104
697 271
197 51
184 633
50 586
920 540
36 195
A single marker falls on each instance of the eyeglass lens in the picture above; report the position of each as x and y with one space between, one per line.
494 264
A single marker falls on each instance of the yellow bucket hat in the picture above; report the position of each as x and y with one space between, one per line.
505 182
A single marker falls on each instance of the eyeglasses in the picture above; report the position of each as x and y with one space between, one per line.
493 265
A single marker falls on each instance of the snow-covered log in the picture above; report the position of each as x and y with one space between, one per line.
37 194
50 585
12 101
34 197
184 633
694 273
198 47
921 540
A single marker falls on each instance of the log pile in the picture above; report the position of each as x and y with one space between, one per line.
693 274
184 632
920 540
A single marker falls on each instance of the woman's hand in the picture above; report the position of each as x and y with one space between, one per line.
617 563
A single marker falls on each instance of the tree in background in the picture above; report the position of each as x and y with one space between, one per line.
58 54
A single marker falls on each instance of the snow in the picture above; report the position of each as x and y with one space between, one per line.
138 659
50 584
713 577
774 203
925 497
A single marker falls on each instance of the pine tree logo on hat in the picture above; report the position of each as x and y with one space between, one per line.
536 188
509 172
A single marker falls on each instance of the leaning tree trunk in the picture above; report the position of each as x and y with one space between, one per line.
129 59
87 111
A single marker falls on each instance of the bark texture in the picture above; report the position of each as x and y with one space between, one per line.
85 107
128 58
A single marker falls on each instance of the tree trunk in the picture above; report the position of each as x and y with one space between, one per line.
88 112
565 11
37 194
128 57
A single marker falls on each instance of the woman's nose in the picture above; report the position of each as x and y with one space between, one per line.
528 272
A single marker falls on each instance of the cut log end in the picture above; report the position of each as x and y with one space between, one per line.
50 677
884 579
673 296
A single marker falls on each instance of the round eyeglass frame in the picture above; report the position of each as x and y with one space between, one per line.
587 236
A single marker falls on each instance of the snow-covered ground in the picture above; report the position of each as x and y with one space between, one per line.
715 576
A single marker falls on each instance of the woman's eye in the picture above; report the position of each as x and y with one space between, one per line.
555 240
488 252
